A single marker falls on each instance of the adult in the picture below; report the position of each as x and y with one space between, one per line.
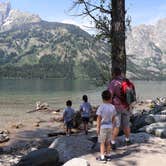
122 118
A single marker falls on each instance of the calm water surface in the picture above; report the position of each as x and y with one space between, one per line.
18 96
56 91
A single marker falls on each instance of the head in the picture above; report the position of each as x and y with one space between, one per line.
116 72
85 98
106 96
69 103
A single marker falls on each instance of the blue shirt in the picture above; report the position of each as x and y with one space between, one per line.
85 109
68 114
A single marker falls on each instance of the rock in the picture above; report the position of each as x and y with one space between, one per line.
157 129
160 133
4 136
17 126
72 146
77 162
141 137
77 120
42 157
1 150
139 121
159 118
9 160
37 124
163 112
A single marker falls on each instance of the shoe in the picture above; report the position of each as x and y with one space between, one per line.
108 158
102 160
113 146
128 143
86 132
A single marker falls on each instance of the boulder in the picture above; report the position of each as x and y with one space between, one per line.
160 133
157 129
4 136
70 147
163 112
77 120
42 157
77 162
159 118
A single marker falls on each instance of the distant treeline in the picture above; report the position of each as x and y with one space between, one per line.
53 67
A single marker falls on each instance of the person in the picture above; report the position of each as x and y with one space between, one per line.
122 108
105 119
68 117
85 109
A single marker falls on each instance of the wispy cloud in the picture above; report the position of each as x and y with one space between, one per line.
84 24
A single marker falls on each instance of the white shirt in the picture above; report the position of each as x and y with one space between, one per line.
106 111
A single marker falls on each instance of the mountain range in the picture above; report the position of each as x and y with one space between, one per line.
31 47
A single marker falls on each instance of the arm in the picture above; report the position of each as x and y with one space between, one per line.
64 113
81 108
113 119
98 124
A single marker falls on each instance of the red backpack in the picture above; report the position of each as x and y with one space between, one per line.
128 94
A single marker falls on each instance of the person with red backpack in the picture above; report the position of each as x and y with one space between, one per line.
124 95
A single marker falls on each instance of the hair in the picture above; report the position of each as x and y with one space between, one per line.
117 71
106 95
69 103
85 98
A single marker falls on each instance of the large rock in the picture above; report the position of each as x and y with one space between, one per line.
42 157
163 112
4 136
159 118
157 129
72 146
77 162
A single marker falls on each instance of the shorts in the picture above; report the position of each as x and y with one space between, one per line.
85 119
69 124
105 135
122 119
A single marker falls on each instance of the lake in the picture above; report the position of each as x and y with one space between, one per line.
18 96
57 91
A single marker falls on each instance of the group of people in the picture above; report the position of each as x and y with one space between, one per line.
68 114
112 114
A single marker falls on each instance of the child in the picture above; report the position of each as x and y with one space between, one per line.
85 109
68 117
105 118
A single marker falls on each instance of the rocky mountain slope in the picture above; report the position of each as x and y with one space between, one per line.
31 47
146 48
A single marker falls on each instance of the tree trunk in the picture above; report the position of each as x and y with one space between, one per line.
118 35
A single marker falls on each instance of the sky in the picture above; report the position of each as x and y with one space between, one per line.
141 11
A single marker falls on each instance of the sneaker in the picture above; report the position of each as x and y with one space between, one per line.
108 158
102 160
113 146
128 143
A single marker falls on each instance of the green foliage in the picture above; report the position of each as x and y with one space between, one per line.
52 50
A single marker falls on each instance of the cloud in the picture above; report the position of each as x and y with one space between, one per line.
84 24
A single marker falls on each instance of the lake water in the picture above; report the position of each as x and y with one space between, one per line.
18 96
56 91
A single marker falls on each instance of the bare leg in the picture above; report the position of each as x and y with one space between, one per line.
86 128
126 131
115 133
108 148
102 149
67 130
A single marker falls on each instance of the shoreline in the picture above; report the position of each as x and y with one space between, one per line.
33 134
